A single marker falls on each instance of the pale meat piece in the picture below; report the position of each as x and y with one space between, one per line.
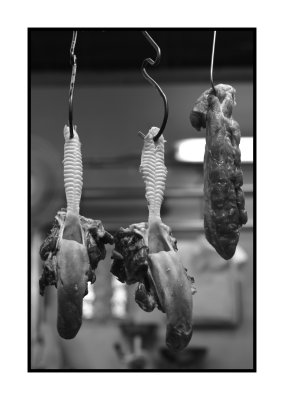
69 265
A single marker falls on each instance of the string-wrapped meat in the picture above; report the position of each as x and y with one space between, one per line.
74 247
147 253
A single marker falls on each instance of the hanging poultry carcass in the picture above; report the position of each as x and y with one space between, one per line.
74 247
147 253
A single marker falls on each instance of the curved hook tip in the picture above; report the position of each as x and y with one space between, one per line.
73 61
153 82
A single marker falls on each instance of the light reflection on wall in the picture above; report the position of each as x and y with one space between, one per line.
89 302
119 298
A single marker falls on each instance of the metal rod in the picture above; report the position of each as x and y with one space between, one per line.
73 62
149 61
212 63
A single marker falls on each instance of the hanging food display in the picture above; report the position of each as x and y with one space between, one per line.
224 203
75 245
147 253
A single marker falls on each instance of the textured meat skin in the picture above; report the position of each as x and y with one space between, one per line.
224 203
154 171
73 170
130 263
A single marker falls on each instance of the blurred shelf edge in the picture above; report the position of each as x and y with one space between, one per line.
131 203
138 193
190 225
51 78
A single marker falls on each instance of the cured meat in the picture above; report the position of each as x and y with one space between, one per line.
147 253
224 203
73 170
74 247
154 172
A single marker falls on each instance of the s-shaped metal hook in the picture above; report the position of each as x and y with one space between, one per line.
149 61
73 62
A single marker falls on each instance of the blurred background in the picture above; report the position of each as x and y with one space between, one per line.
112 102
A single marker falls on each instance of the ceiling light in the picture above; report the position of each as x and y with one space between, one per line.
192 150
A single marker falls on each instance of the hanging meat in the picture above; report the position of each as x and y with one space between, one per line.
74 247
224 203
147 253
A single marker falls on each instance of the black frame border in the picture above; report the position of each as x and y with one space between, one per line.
254 369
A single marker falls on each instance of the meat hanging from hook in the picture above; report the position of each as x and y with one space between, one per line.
149 61
73 249
224 201
76 244
146 253
73 62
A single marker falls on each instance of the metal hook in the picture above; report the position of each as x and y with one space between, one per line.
212 63
153 83
73 61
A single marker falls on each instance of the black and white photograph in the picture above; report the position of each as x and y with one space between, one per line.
142 173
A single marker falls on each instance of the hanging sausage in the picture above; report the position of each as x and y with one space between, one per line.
224 203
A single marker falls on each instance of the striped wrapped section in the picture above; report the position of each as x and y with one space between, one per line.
154 171
73 170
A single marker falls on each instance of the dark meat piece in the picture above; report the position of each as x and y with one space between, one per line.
49 275
49 244
96 238
224 211
130 256
144 297
130 264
